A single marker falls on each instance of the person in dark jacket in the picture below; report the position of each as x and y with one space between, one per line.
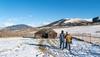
66 43
61 38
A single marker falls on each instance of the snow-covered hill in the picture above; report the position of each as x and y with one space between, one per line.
86 33
80 29
93 29
69 22
27 47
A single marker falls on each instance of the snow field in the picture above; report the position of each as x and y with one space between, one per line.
28 47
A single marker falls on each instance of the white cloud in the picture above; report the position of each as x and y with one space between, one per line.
13 20
38 24
28 20
45 23
34 25
7 22
25 17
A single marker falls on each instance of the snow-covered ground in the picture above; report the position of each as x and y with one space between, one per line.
80 29
28 47
86 33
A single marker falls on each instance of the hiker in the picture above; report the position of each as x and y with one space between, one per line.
61 38
66 40
69 41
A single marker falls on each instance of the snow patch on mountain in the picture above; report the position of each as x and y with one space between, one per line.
75 20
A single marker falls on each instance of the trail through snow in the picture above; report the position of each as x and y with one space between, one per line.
27 47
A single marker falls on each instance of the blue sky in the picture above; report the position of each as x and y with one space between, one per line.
40 12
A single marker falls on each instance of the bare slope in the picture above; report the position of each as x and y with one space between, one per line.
17 30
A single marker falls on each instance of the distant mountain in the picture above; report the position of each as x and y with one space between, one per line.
55 23
17 27
68 22
17 31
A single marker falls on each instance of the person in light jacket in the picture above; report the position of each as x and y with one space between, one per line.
69 41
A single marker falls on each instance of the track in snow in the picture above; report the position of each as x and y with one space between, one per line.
26 47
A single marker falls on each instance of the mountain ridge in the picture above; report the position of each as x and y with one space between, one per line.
20 30
68 22
16 27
